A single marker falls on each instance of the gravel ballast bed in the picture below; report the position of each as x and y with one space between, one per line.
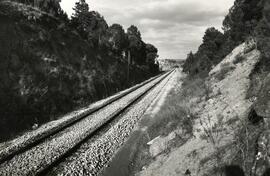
93 156
51 127
39 157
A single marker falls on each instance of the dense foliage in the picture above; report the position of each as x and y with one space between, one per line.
50 6
51 65
262 33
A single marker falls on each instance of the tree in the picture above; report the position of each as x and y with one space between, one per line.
50 6
263 37
210 52
97 30
91 25
81 8
243 18
151 58
151 54
135 45
189 61
117 38
134 37
213 34
81 17
133 31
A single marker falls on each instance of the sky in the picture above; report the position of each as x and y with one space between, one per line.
175 27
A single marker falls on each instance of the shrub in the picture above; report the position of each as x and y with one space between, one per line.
224 70
213 134
239 58
244 141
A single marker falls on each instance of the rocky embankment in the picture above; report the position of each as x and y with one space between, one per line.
226 129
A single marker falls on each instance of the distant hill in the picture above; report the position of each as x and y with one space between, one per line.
168 64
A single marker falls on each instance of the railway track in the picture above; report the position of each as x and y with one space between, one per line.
38 152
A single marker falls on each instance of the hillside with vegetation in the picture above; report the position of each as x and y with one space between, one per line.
230 102
216 119
244 21
51 65
248 21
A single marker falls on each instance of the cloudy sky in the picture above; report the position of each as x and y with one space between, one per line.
175 27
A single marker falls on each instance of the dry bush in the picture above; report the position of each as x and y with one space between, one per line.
177 110
245 142
169 119
239 58
173 114
251 44
213 133
194 88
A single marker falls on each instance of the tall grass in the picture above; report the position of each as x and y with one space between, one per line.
177 111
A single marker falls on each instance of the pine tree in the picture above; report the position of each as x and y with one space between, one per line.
80 19
117 38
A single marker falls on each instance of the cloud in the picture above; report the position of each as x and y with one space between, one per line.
174 26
